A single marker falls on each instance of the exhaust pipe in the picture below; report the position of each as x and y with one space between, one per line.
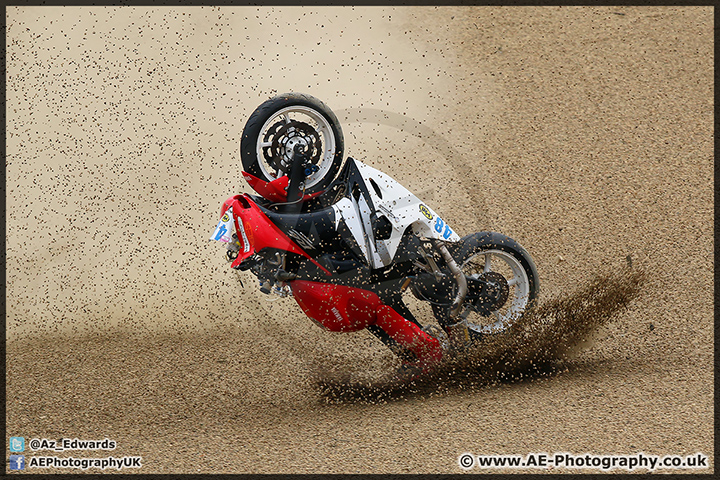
459 336
459 279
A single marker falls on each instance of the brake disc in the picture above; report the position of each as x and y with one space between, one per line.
284 140
496 294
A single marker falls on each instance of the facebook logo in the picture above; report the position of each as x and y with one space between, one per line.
17 444
17 462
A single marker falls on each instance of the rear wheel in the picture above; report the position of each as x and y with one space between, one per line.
509 269
287 121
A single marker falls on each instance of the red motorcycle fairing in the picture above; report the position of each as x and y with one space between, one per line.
275 191
256 231
339 308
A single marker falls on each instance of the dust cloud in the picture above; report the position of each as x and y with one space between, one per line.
540 343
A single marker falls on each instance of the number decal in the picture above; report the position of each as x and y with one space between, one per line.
221 231
224 226
442 228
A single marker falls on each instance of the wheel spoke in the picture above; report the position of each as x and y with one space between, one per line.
487 263
265 144
513 281
286 118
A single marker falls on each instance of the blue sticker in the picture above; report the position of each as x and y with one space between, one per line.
221 231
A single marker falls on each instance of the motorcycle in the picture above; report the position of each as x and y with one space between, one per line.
347 241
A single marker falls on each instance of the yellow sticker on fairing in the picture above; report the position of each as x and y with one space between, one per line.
425 211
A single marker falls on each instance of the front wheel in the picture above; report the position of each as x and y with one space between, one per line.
281 124
500 260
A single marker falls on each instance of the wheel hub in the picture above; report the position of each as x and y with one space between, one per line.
494 292
285 136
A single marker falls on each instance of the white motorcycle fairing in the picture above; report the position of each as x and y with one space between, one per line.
374 195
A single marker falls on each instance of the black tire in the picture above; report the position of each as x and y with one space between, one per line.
521 295
309 121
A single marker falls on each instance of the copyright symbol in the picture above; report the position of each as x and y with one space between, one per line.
466 460
34 444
